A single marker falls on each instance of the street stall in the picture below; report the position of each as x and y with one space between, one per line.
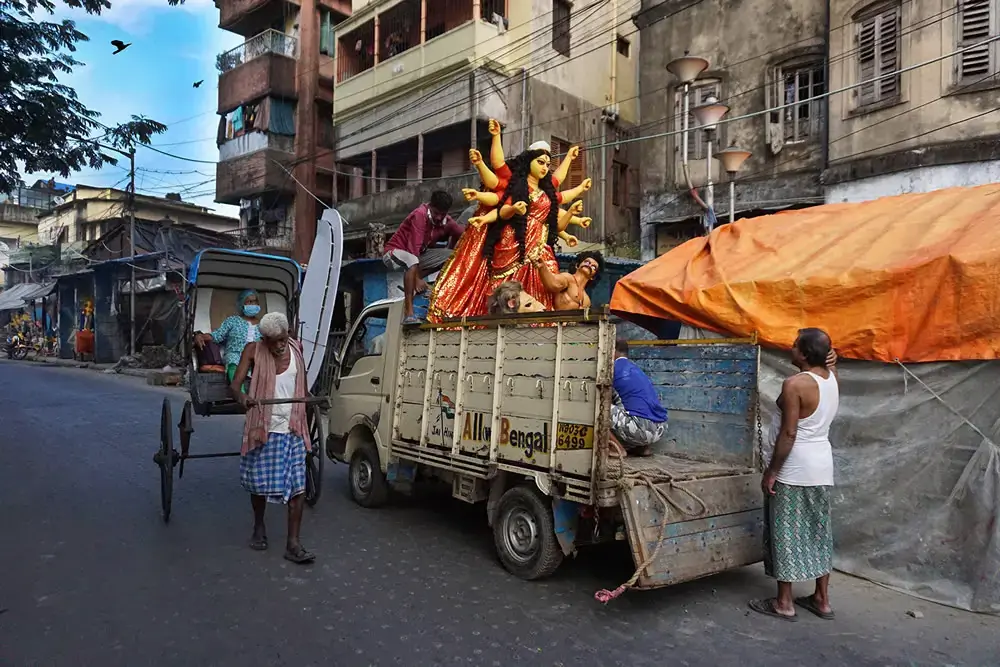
906 288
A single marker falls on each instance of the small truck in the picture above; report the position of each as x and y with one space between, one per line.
514 413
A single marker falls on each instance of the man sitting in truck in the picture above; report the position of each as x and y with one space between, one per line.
638 419
412 248
510 297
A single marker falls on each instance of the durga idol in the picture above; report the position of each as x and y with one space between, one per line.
517 228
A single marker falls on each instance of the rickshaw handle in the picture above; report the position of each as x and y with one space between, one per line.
309 400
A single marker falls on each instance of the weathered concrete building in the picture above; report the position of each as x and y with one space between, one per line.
275 128
848 101
930 127
752 67
417 81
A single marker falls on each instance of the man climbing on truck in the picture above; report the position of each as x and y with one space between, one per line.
413 247
638 419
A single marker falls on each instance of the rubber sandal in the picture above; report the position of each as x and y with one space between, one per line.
809 605
300 556
259 545
766 607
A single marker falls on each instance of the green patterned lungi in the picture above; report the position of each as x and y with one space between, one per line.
798 533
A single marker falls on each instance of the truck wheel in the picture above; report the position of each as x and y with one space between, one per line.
368 485
524 534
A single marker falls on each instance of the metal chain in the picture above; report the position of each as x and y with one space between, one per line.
760 434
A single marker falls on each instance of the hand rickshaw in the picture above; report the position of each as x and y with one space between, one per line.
215 279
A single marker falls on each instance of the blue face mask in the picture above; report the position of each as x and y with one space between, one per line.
251 310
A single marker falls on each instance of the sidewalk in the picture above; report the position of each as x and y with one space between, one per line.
71 363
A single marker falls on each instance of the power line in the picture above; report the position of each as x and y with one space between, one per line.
769 169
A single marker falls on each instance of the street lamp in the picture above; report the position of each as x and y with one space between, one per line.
732 160
707 116
687 69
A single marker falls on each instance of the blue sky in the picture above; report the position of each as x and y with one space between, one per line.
172 47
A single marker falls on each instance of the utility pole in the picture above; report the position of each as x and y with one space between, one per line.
131 224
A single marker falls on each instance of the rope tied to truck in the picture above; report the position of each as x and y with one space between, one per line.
661 483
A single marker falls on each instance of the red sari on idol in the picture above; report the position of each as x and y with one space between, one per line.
467 280
461 289
507 263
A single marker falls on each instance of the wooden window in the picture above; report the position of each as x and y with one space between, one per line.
326 39
576 170
700 92
877 37
619 184
624 46
978 21
560 26
802 86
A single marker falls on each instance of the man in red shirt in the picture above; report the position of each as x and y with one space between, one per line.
411 248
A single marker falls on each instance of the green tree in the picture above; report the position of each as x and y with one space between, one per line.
43 125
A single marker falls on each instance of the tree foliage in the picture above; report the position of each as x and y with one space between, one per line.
43 124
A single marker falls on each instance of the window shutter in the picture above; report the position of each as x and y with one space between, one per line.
867 60
325 33
975 27
888 53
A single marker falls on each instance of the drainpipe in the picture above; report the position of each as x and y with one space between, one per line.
826 99
524 109
606 118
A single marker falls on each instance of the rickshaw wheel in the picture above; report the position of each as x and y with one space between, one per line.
314 459
185 429
165 459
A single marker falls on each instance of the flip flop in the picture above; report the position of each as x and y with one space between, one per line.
766 607
809 605
259 545
300 556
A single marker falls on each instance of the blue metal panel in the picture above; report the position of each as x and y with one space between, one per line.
710 392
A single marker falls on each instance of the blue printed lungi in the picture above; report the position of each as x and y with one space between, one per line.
277 469
798 533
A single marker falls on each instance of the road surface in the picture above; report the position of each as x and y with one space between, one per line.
89 575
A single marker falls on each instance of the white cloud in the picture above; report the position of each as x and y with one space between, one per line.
137 17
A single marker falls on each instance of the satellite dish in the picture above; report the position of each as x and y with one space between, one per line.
58 201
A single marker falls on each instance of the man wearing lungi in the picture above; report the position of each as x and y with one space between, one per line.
275 437
797 485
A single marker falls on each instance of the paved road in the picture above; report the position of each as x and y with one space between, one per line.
90 576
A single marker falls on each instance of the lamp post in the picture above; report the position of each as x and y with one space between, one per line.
732 160
686 69
707 116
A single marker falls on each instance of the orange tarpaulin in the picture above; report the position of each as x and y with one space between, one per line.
914 277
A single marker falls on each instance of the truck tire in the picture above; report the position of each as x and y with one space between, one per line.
524 534
368 485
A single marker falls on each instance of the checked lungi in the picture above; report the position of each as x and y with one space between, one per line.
277 469
798 532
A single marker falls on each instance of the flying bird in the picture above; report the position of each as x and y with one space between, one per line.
119 46
197 84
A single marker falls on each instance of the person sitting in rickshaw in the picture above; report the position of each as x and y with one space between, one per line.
275 437
236 331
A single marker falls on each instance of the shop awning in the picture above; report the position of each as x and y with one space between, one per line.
21 295
912 277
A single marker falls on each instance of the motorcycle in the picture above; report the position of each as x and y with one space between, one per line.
15 347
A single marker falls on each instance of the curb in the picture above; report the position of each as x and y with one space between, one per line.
144 373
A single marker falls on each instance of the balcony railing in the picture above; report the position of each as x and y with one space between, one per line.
269 41
265 235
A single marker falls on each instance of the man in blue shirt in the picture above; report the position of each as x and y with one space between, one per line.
638 419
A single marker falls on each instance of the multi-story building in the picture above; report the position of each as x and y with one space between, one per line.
418 80
85 213
848 101
930 121
748 70
19 217
275 127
